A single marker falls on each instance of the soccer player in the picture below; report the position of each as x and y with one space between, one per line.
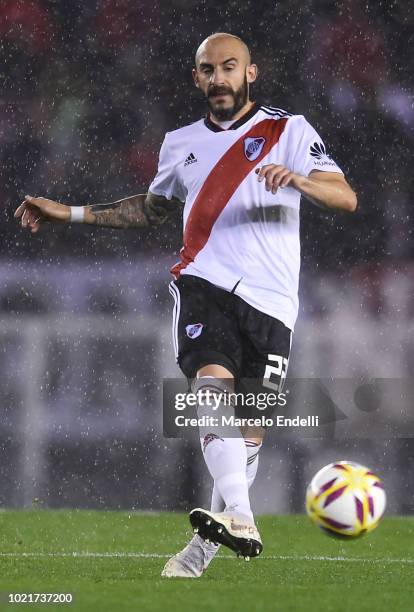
241 172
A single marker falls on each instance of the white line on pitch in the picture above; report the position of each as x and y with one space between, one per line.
141 555
326 558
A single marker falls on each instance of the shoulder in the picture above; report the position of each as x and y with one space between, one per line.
273 111
183 133
293 121
176 142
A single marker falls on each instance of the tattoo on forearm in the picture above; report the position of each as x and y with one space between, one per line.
136 211
123 214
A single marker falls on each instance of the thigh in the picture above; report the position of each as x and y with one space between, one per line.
266 348
205 329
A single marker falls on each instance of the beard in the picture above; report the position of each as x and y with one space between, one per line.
240 98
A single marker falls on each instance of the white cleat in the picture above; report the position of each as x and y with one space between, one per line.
192 561
233 529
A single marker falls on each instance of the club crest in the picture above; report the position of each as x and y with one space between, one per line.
194 330
253 147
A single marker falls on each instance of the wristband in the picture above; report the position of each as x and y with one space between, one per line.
77 214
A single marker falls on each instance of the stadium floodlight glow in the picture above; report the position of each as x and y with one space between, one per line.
345 499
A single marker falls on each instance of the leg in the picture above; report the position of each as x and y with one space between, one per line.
195 558
235 454
225 457
253 439
218 344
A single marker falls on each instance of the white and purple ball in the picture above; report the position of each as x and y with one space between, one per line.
345 499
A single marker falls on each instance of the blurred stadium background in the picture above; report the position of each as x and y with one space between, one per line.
89 89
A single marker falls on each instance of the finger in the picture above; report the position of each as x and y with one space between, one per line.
20 210
263 171
35 224
35 228
272 176
268 172
25 218
29 215
32 201
279 176
33 214
287 180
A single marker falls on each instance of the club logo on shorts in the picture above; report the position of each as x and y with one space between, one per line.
253 147
194 330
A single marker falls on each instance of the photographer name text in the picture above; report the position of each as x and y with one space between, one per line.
232 421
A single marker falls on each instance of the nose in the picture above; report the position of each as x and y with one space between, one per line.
217 77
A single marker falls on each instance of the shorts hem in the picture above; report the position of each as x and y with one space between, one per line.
192 361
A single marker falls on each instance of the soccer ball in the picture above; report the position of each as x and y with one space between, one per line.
345 499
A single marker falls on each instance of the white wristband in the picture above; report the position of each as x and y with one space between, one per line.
77 214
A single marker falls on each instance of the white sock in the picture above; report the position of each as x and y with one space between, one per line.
226 461
217 502
226 458
253 449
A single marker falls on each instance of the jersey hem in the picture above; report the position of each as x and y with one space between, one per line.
161 193
287 321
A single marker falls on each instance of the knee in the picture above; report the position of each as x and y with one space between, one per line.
213 394
215 370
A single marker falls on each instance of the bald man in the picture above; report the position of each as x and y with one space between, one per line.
240 173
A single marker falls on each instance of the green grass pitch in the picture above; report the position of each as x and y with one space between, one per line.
111 561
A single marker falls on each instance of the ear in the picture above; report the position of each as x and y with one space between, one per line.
251 73
195 77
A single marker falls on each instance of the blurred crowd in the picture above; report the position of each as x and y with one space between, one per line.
91 87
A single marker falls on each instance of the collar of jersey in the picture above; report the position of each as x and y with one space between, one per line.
216 128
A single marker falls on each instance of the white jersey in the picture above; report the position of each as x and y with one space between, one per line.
237 235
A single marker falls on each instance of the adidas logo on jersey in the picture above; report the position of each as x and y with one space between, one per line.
191 159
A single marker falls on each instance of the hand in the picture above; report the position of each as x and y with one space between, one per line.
276 176
34 211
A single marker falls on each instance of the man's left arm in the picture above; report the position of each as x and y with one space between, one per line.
325 189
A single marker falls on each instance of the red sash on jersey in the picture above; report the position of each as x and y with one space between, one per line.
220 185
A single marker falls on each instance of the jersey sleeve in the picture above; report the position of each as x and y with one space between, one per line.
166 182
308 151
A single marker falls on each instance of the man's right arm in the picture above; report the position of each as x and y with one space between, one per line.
138 211
141 210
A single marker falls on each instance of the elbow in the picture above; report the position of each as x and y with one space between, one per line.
350 202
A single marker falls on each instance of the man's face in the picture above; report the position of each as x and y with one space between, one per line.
223 74
224 102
